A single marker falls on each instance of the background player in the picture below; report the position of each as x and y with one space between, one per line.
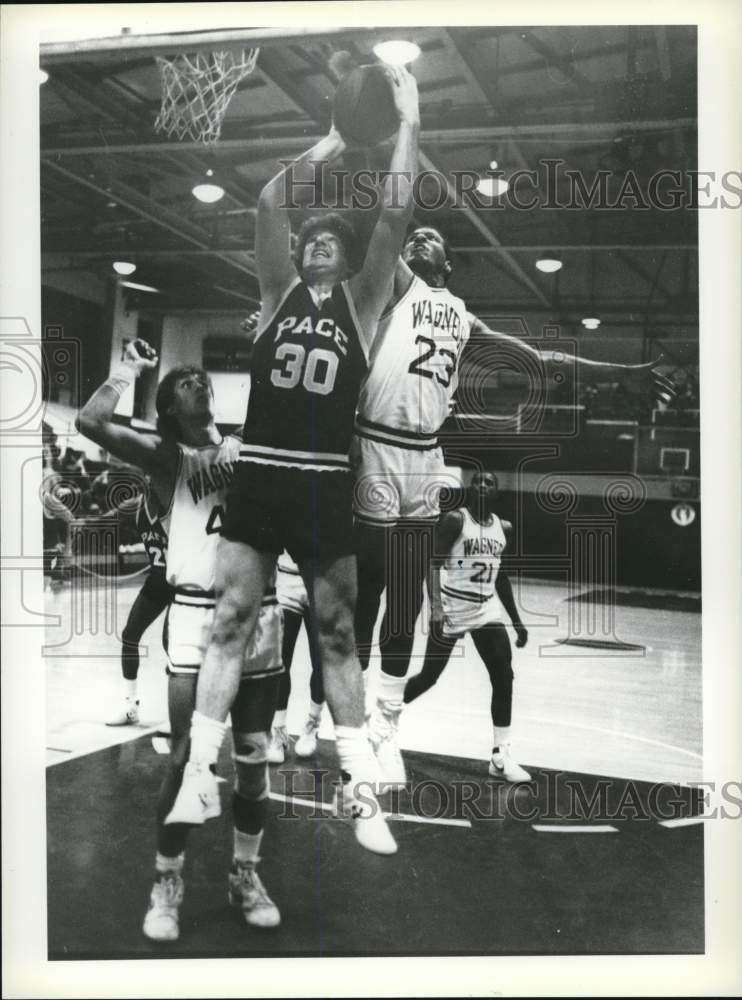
294 487
294 603
399 466
475 593
155 595
191 465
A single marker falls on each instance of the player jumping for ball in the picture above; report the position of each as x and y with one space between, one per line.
293 487
405 399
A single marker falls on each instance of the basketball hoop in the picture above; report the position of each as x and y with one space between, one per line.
196 91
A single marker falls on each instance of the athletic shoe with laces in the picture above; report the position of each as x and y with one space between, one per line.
279 744
129 716
161 920
503 766
382 732
306 744
247 893
369 825
198 797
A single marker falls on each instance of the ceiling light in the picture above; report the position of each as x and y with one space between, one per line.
493 164
209 192
591 323
492 187
124 267
139 288
397 52
43 76
548 265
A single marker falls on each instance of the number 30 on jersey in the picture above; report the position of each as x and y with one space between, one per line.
315 370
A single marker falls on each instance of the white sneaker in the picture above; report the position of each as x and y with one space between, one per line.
279 744
198 798
129 716
503 766
383 735
369 825
161 922
247 892
306 745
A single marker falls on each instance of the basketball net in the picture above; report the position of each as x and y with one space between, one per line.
196 91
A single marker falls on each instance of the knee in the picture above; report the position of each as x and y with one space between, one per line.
250 758
130 636
335 636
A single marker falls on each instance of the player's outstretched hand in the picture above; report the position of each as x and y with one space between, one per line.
648 379
522 636
140 356
404 90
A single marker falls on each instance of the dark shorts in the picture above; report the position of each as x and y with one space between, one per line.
308 513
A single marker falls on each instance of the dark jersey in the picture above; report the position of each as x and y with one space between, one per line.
306 373
153 534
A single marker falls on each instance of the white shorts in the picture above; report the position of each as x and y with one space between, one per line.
457 617
393 481
188 629
292 594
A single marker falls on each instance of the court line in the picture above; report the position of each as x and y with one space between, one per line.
567 828
685 821
85 751
400 817
612 732
484 714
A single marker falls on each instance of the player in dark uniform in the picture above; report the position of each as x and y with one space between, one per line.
294 489
150 602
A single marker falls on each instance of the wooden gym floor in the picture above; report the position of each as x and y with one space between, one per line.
512 871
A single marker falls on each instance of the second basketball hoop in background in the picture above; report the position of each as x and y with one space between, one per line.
364 111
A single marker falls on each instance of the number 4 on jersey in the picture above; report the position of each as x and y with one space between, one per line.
214 524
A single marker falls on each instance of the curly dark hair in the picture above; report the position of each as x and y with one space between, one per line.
167 424
335 223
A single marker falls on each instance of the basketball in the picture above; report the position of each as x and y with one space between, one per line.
364 111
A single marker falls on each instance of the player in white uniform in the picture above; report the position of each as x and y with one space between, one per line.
399 468
475 595
294 602
191 466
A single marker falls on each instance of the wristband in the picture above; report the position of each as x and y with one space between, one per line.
121 378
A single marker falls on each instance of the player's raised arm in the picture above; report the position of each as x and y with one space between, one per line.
276 269
371 287
644 378
95 420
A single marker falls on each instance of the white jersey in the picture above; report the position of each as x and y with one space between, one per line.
201 483
467 579
413 367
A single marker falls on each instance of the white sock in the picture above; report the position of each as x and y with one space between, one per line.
364 677
315 710
164 865
130 689
247 846
354 751
206 739
391 692
501 736
279 719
